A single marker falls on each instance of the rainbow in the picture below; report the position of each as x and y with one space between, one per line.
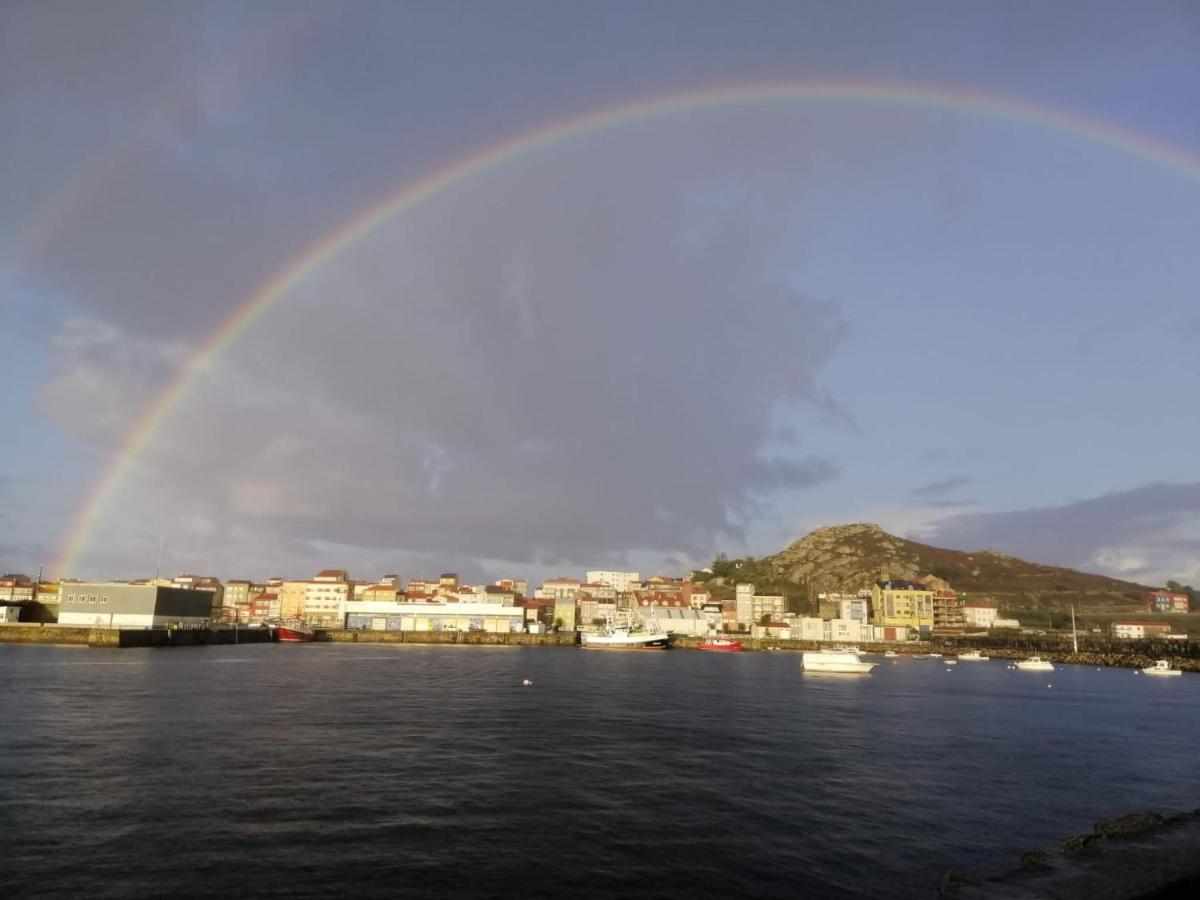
310 259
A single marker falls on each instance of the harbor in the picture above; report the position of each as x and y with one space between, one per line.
386 763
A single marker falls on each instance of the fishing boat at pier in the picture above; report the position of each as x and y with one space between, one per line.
719 644
294 631
625 639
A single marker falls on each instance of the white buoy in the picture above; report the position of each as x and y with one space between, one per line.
1049 685
527 683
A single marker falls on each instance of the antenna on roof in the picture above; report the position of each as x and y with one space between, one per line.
158 565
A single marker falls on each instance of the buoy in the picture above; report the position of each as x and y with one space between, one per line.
527 683
1049 685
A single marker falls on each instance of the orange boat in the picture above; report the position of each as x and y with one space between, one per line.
720 644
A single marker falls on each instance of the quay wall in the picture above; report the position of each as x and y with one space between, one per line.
480 638
131 637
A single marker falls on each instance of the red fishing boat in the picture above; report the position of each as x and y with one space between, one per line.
294 631
720 644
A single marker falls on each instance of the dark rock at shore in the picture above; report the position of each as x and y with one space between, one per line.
1141 855
1124 826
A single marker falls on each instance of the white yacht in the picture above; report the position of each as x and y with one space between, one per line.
1161 667
973 656
1035 664
837 660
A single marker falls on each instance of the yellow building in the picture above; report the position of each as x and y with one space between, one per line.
902 603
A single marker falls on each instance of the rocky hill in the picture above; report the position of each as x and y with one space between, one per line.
848 557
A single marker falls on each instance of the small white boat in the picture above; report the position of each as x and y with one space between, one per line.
973 656
1035 664
844 661
890 653
1161 667
935 656
951 662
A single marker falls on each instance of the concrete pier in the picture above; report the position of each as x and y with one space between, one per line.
131 637
476 638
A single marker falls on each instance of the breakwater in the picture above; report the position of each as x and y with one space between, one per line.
132 637
1113 654
473 638
1184 655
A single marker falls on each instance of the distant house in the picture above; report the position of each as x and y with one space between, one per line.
1128 630
1166 602
978 614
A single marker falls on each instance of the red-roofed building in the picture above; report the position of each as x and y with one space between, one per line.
656 598
1166 602
264 606
331 575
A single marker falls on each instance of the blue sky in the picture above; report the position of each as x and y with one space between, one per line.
706 331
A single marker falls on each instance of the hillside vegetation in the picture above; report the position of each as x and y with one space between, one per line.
845 558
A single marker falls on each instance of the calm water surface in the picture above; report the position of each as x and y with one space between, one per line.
328 770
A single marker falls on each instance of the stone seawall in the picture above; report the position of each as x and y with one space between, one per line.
1118 654
480 638
131 637
683 642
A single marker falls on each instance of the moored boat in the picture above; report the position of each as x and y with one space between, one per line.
973 656
719 644
624 639
294 632
1161 667
841 660
890 653
1035 664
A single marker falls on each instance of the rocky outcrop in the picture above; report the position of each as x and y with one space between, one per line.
846 558
1143 855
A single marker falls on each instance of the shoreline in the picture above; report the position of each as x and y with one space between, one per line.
116 638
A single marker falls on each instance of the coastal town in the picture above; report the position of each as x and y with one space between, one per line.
691 606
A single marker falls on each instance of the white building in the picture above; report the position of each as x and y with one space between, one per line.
620 581
558 589
384 615
677 620
857 608
979 615
10 612
773 605
325 602
744 604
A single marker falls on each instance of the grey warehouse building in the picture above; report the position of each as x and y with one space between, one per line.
97 604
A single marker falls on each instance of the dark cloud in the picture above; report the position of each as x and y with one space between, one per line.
1146 533
579 357
940 488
